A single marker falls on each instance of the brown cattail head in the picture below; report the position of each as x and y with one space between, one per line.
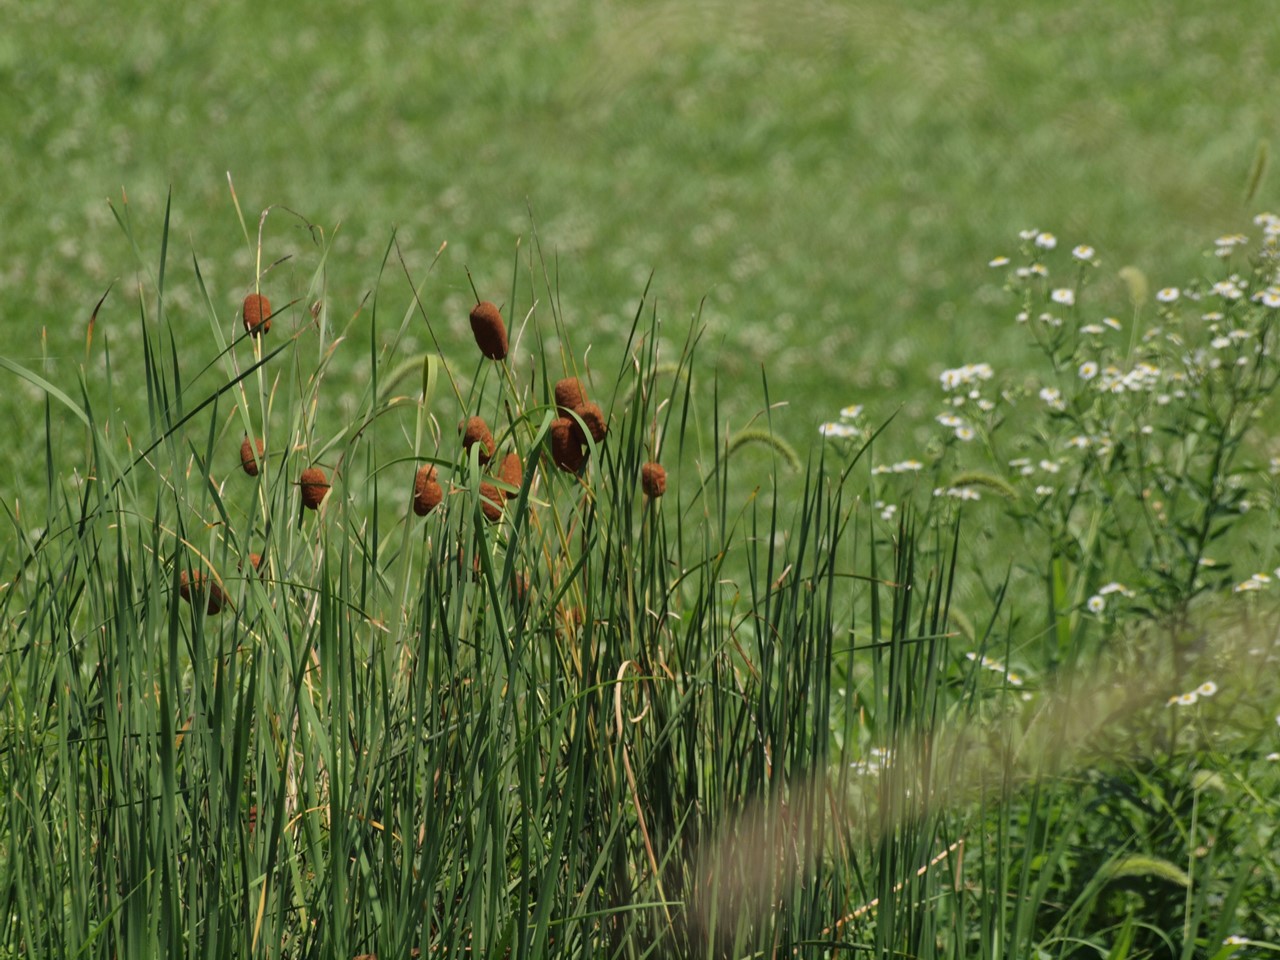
247 459
569 395
257 559
490 332
315 485
427 493
257 314
653 479
566 445
593 418
491 502
196 586
511 472
475 430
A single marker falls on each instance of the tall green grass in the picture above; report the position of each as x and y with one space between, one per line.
703 724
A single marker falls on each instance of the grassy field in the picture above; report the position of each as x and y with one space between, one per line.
831 181
993 681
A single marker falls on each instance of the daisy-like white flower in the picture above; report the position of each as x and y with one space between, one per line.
1044 490
1079 441
998 262
1053 397
851 412
1207 689
1028 234
949 420
1046 241
1088 370
1093 329
1050 466
1188 698
1220 343
1168 295
1114 587
965 433
1112 322
1063 295
965 376
1096 604
1270 297
1273 757
1039 269
837 430
1235 940
1082 252
907 466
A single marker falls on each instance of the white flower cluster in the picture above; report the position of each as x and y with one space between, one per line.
967 376
957 493
878 760
987 663
842 428
1205 690
1259 581
902 466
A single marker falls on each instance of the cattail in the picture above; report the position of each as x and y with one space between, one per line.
427 493
193 588
653 479
593 418
566 445
257 314
315 485
511 472
569 395
247 459
491 502
489 330
475 430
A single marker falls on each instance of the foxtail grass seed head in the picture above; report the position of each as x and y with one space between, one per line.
194 587
427 492
511 471
491 502
247 459
653 479
490 332
566 445
475 430
315 486
257 314
593 417
569 395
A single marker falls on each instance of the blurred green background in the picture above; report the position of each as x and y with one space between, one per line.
831 178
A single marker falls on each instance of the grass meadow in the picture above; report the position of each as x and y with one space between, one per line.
858 538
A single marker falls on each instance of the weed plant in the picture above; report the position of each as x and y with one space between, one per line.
503 665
